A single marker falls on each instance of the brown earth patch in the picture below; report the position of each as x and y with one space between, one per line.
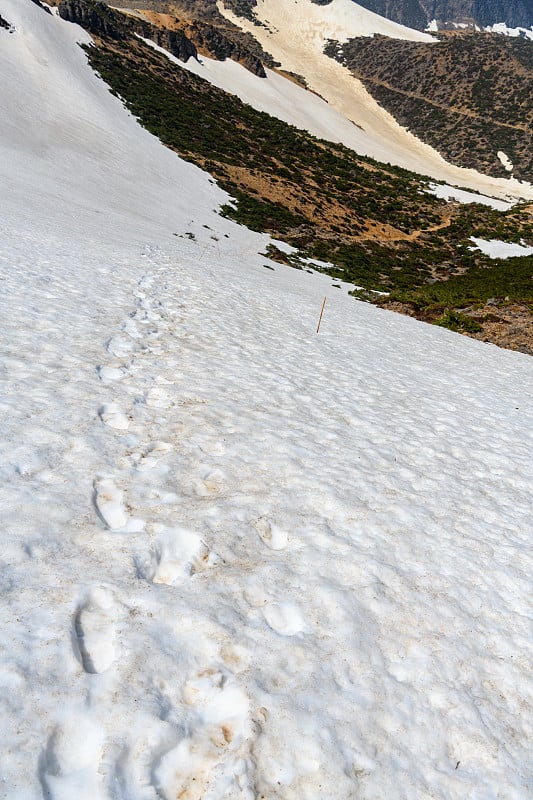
507 325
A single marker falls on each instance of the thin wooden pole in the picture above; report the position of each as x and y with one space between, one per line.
320 318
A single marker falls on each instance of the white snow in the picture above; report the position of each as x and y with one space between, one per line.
497 249
505 160
329 594
447 192
501 27
295 33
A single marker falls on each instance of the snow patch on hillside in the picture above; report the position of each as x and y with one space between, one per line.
497 249
447 192
505 161
501 27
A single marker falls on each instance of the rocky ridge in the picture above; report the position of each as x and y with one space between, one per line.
184 38
202 19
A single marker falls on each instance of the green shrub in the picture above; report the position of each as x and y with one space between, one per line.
455 321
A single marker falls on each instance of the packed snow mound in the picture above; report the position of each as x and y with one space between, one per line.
238 558
296 31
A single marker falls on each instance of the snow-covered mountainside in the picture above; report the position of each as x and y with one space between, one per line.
240 559
296 32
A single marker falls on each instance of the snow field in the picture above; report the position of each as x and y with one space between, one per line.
331 582
238 558
501 27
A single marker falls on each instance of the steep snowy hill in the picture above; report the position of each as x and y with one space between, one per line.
239 559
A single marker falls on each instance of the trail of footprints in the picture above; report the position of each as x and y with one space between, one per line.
218 720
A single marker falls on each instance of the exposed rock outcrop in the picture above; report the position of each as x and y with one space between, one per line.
95 17
175 41
4 23
206 12
99 19
215 43
183 39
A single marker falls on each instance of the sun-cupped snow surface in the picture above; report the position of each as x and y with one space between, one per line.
295 33
239 559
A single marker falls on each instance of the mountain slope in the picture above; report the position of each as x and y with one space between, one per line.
296 34
317 197
238 558
469 97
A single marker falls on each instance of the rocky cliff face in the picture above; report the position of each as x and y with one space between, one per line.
175 41
418 13
95 17
516 13
98 18
182 39
213 41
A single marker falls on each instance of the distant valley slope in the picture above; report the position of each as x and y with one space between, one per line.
419 13
469 96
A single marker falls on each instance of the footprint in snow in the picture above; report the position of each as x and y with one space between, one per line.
94 628
157 397
119 346
69 767
271 535
130 328
150 458
284 618
112 415
109 503
145 282
178 554
210 483
219 734
110 374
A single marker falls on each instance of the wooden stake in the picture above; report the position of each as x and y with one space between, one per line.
320 318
